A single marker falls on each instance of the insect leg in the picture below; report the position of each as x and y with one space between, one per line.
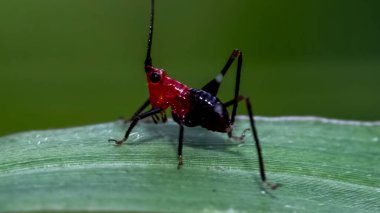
134 122
255 136
163 117
180 146
139 110
155 118
237 88
213 86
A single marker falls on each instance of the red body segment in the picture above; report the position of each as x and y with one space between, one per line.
190 107
168 92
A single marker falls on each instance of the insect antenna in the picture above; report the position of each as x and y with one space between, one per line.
148 59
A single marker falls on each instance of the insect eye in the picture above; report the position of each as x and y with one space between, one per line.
155 77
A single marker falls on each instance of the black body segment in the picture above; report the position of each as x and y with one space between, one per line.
207 111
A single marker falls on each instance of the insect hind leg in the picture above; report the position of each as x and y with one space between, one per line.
234 102
213 86
239 139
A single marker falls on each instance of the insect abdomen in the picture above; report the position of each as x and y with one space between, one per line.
207 111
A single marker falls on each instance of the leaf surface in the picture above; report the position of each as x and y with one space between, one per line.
323 166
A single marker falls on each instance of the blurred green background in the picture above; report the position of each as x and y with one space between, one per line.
74 62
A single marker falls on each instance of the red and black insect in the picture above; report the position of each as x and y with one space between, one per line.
193 107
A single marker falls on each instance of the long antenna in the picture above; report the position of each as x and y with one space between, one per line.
148 59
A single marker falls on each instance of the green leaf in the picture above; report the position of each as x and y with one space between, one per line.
323 165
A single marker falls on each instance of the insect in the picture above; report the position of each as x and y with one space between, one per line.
193 107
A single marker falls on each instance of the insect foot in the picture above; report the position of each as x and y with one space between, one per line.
180 162
117 142
271 186
240 139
